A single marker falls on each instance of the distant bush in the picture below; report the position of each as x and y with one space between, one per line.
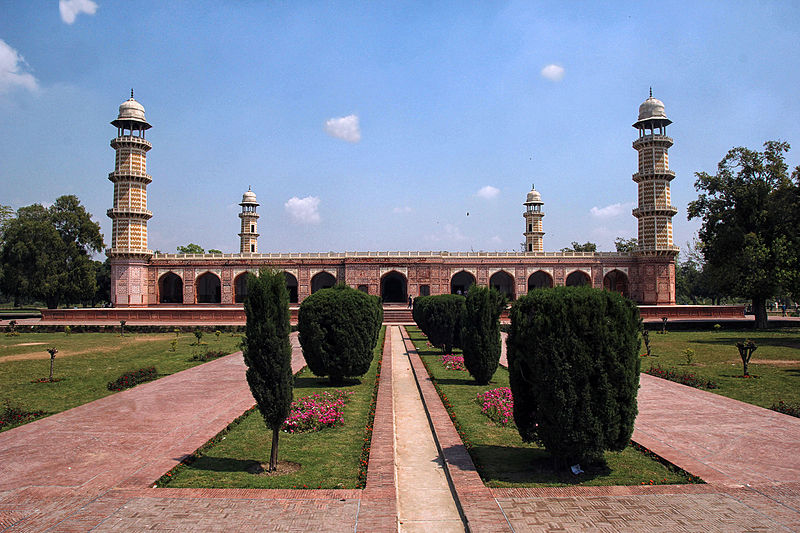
208 355
439 318
791 409
574 370
338 329
131 379
12 415
480 332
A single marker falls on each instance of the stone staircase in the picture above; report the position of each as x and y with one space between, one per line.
397 314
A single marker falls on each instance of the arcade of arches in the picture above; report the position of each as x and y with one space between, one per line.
393 285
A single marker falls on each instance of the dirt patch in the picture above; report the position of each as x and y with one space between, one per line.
283 468
29 344
769 362
61 353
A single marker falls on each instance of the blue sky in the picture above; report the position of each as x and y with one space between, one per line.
380 125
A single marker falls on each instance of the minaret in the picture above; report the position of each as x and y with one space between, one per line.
249 234
129 215
655 210
533 221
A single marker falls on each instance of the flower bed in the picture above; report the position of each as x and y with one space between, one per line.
684 378
453 362
131 379
791 409
498 405
315 412
12 415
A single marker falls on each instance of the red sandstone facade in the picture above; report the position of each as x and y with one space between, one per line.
143 279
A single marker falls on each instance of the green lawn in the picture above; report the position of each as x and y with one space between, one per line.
776 362
86 362
328 458
501 457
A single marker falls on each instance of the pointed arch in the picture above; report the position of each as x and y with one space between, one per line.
291 286
616 281
394 287
540 280
578 278
322 280
208 288
240 287
170 289
503 282
461 282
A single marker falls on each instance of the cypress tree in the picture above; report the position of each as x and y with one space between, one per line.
574 370
480 332
441 320
268 351
338 329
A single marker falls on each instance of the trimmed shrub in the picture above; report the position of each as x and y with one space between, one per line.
131 379
338 329
574 371
480 332
440 320
267 350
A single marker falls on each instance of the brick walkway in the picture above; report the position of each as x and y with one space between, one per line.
92 468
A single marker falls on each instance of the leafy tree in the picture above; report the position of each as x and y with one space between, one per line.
585 247
191 248
744 236
574 370
214 251
268 352
338 328
626 245
103 281
46 253
480 332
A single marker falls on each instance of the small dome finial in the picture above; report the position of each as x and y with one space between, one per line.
651 92
131 93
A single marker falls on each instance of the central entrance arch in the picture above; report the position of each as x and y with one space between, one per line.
578 279
170 289
322 280
461 282
394 287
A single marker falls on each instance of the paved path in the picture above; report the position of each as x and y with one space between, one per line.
91 468
425 501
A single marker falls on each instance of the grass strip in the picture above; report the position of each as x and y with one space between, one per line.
333 458
499 454
87 362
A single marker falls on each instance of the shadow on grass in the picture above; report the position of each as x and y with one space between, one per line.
782 342
455 381
222 464
793 371
529 465
315 382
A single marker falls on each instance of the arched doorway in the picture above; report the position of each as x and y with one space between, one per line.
240 287
578 279
170 289
540 280
616 281
208 289
322 280
503 283
291 286
394 287
461 282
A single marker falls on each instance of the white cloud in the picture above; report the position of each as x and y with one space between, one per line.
610 211
496 239
344 128
404 209
453 232
303 210
488 192
70 9
12 70
553 72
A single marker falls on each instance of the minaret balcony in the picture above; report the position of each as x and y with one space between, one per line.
653 211
131 139
130 175
129 212
654 174
646 140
